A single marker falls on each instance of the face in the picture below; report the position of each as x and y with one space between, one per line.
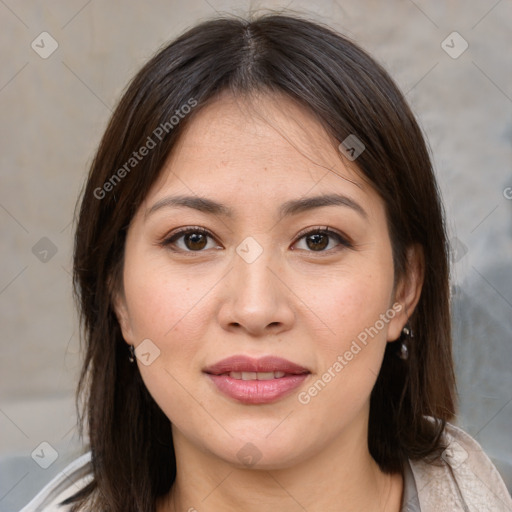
297 294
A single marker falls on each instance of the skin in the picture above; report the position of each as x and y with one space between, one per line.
296 301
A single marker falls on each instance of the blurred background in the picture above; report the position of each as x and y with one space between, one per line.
64 65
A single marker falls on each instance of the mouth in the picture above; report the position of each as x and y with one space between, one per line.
256 381
256 375
247 368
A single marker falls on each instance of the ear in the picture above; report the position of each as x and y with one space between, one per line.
123 317
407 290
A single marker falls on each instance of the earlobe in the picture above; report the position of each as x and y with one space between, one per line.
408 290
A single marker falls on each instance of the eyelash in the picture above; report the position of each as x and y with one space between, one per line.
171 239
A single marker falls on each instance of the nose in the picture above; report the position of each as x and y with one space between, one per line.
256 298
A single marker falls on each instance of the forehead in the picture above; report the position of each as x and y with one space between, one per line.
266 144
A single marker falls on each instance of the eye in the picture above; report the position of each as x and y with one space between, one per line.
318 239
195 239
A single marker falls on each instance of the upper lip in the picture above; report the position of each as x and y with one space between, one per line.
241 363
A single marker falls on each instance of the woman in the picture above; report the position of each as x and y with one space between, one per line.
261 268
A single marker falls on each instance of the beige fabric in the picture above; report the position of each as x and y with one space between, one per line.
465 481
69 481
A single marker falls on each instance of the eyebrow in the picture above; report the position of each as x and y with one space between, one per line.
291 207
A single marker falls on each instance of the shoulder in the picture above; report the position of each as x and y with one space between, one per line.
464 479
70 480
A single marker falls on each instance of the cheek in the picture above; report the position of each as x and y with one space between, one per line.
164 304
353 302
170 309
357 311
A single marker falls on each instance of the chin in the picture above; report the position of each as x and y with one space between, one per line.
265 453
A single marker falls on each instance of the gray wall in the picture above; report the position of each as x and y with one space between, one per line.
54 110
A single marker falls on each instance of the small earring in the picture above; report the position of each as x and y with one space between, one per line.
131 357
404 351
408 331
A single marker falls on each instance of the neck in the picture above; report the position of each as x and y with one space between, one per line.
342 477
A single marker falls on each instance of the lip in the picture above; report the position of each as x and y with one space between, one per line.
241 363
256 391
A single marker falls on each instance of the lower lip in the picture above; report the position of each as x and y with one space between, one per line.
257 391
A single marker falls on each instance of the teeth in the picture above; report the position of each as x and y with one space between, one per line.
265 375
256 375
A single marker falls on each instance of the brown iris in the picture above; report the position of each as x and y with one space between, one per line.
195 241
321 240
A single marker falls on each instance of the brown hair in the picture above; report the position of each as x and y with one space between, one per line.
130 437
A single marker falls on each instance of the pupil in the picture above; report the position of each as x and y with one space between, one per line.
194 239
316 238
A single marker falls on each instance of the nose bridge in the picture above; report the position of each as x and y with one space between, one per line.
252 271
256 298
